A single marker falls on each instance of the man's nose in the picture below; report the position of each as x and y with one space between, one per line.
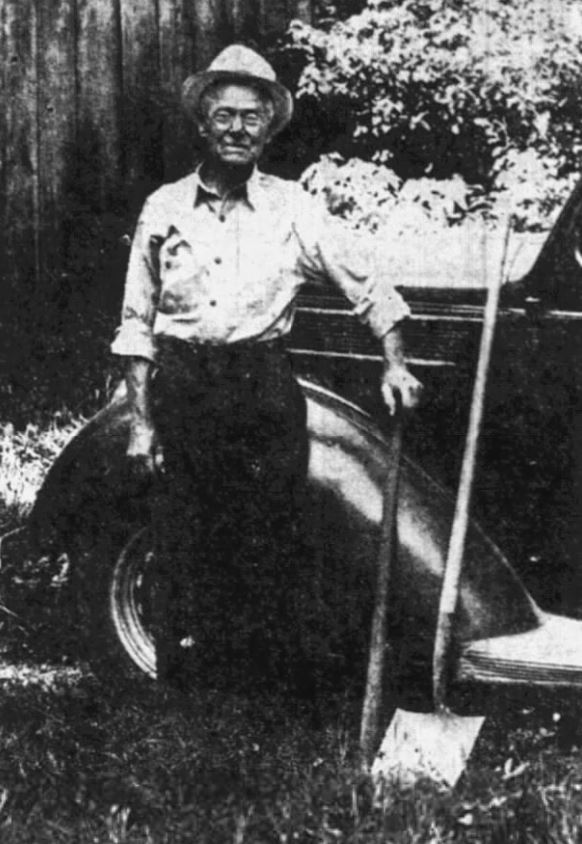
237 124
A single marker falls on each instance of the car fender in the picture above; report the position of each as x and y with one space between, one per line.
86 489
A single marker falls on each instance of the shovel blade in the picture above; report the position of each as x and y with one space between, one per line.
420 745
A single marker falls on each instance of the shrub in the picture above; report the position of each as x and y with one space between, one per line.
438 87
25 458
532 187
371 196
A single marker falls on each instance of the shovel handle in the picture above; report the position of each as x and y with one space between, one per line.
373 697
452 574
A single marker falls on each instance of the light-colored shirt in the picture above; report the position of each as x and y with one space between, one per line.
210 270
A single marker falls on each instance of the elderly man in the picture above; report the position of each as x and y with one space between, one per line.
217 260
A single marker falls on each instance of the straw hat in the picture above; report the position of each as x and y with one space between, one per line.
240 65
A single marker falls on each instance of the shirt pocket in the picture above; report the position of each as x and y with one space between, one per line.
183 274
178 259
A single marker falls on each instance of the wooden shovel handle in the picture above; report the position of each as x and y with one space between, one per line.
453 565
373 697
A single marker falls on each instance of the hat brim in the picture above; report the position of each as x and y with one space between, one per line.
195 85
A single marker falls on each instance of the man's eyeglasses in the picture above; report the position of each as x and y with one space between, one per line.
224 119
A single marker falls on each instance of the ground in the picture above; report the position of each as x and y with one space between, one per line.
87 762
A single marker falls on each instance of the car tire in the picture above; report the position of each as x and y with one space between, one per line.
113 586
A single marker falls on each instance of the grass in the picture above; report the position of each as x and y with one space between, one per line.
84 762
81 763
25 457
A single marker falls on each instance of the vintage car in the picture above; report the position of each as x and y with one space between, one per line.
521 587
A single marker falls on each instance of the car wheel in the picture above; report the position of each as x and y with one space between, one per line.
113 582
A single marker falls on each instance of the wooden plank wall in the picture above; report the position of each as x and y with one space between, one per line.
20 219
91 118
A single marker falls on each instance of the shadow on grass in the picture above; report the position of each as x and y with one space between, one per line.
85 763
84 760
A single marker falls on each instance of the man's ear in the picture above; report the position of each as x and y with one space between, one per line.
202 129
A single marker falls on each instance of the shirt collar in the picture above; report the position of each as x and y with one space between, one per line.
251 190
254 189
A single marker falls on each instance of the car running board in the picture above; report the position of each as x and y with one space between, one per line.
549 655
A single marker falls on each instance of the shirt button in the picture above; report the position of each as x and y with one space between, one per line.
218 260
213 303
222 218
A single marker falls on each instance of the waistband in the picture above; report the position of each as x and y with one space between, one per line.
241 349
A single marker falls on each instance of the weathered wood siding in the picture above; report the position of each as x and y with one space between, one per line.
90 118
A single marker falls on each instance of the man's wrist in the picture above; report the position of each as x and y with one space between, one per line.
141 435
393 349
141 421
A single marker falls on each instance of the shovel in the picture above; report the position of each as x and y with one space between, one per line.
436 745
370 723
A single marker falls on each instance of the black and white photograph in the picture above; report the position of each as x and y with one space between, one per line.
291 421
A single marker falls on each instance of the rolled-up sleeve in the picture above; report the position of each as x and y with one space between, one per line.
330 250
134 337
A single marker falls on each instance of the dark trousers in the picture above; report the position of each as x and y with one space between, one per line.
232 424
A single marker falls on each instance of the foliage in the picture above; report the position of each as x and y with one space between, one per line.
327 12
437 87
25 458
371 197
531 187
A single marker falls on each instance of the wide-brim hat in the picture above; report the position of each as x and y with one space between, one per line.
240 65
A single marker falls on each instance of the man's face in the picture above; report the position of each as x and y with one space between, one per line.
236 126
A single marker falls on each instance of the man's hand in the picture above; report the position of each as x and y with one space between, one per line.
398 380
144 456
